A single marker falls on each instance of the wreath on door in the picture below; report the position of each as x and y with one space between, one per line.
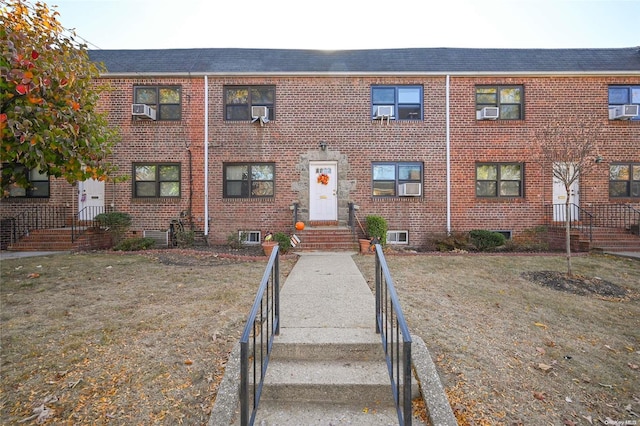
323 179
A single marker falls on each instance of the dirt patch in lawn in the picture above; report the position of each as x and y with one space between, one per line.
513 350
129 338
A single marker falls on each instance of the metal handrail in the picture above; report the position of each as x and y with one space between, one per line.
257 339
583 221
39 217
392 327
85 219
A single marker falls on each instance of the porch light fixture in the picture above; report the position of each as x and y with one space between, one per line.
599 159
323 145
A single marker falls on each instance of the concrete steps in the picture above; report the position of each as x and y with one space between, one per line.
327 376
326 238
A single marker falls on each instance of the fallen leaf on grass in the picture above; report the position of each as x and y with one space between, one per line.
589 419
541 351
568 422
611 349
633 366
33 275
188 362
539 395
541 325
544 367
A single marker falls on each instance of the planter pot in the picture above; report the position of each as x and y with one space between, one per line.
268 246
365 246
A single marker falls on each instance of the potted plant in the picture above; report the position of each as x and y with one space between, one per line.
376 229
283 241
268 244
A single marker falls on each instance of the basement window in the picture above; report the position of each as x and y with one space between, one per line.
397 237
249 237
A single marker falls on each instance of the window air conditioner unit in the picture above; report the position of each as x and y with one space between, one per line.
384 111
623 112
260 113
143 110
488 113
410 189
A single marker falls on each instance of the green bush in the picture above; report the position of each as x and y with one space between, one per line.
185 238
135 244
235 240
116 223
452 241
283 240
377 228
485 240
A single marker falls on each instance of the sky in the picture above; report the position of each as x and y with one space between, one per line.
352 24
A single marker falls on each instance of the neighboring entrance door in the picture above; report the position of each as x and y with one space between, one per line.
560 197
323 188
90 199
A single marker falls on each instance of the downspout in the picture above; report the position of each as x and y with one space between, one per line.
448 142
206 156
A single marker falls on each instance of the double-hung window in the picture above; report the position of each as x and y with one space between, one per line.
619 96
624 180
508 99
249 180
37 184
240 100
499 180
156 180
396 102
391 179
165 100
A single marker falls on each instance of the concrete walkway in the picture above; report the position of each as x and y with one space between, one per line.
326 301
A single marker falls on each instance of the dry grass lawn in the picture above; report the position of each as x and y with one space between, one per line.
141 339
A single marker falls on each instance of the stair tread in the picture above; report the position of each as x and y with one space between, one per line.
324 372
316 414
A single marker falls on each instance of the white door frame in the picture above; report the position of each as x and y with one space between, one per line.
323 193
90 198
560 197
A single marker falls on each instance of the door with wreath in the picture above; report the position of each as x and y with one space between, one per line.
323 191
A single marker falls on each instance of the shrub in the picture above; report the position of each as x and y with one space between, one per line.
453 241
116 223
377 228
185 238
234 240
486 240
135 244
283 240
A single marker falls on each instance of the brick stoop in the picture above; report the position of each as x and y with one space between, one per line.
332 237
614 239
60 239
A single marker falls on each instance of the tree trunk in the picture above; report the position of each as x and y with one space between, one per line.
567 221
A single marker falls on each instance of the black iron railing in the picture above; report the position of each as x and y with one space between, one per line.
579 218
85 219
39 217
396 339
615 216
256 343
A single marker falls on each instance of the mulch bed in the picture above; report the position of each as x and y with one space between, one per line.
576 284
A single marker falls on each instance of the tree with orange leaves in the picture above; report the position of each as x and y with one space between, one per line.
49 120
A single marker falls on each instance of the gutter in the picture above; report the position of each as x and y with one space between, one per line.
448 146
206 155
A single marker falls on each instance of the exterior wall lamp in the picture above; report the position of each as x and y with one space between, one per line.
323 145
599 159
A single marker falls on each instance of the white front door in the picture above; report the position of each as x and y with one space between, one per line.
323 191
90 199
560 197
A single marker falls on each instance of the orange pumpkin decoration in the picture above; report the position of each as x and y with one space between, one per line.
299 226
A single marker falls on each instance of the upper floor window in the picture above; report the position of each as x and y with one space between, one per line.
397 179
619 96
239 100
499 180
155 180
249 180
38 184
509 101
166 101
624 180
396 102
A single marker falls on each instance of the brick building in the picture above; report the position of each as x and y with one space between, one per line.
434 140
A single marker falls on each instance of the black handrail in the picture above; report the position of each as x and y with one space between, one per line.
392 327
39 217
257 339
85 219
579 218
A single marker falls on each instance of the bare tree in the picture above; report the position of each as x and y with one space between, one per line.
571 150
